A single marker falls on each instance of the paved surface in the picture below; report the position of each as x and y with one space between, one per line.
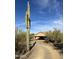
43 50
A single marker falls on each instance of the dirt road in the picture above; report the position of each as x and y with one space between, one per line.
43 50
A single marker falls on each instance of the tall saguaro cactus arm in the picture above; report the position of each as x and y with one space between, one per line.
28 25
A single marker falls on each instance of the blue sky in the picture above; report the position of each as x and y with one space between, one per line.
45 15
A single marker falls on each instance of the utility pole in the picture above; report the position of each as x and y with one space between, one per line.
28 26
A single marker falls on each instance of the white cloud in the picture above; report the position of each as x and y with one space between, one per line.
37 26
60 22
41 28
50 25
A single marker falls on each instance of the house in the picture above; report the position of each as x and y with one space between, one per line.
40 36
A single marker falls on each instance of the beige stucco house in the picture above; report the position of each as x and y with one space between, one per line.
40 35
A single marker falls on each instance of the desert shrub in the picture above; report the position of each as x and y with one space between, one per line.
55 36
20 41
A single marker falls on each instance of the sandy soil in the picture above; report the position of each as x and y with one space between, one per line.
43 50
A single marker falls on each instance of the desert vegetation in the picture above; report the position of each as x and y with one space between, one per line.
20 41
56 37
